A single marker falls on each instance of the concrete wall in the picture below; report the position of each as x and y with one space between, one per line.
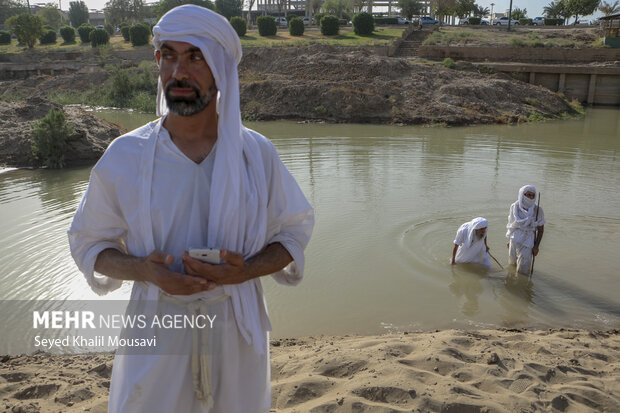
520 54
597 85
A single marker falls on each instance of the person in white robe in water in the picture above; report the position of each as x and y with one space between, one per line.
196 177
470 244
525 230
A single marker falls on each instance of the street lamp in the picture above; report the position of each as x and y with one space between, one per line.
492 4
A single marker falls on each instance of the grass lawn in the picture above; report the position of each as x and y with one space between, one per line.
381 37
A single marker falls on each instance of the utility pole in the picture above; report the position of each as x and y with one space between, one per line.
492 5
509 15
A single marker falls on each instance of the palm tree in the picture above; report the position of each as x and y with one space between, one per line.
481 12
608 9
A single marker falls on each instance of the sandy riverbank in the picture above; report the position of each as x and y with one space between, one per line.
444 371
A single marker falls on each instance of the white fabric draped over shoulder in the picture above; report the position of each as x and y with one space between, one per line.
254 200
522 220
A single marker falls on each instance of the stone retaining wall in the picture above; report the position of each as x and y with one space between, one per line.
520 54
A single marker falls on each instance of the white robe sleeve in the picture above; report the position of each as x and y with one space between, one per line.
97 225
460 236
290 218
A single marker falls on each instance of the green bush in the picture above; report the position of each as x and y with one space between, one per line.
296 27
109 29
99 37
266 26
127 84
49 37
239 24
125 32
139 34
553 22
449 63
84 32
386 20
5 37
363 23
525 22
474 21
317 18
330 25
68 34
50 138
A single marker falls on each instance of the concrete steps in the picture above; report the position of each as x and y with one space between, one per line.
410 46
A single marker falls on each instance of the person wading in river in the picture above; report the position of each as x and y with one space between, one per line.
470 244
526 225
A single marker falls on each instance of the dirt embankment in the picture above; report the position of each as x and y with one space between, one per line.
313 83
87 143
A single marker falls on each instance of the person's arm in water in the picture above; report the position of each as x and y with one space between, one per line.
234 269
456 247
539 234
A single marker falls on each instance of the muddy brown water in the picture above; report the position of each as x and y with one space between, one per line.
388 201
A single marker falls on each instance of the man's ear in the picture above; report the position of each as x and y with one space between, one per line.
157 56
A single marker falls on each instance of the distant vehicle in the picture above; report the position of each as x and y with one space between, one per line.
538 21
503 21
402 20
99 27
465 21
428 20
281 21
307 21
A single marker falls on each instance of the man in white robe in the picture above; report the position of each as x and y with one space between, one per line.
194 178
470 243
526 225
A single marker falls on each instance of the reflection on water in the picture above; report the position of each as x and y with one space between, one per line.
388 202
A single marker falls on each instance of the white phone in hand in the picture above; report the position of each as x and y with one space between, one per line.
210 255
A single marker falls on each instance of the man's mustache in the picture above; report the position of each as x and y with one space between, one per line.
184 84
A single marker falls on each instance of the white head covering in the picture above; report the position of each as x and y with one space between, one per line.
526 205
471 227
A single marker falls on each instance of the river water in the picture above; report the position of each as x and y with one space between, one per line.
388 202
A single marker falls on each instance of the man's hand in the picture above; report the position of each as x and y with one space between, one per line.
155 270
535 251
232 270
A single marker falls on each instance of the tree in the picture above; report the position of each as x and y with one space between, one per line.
315 6
480 11
229 8
518 13
164 6
50 138
443 8
118 11
9 8
51 15
27 27
410 8
557 9
464 8
337 7
78 13
608 9
581 7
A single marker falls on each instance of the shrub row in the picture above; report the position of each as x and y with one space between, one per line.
525 22
554 22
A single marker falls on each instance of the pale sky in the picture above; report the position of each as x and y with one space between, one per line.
534 7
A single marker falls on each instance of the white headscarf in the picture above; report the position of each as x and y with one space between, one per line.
471 227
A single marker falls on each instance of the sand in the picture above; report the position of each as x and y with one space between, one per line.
443 371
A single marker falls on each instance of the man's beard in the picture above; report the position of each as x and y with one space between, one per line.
479 236
188 106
